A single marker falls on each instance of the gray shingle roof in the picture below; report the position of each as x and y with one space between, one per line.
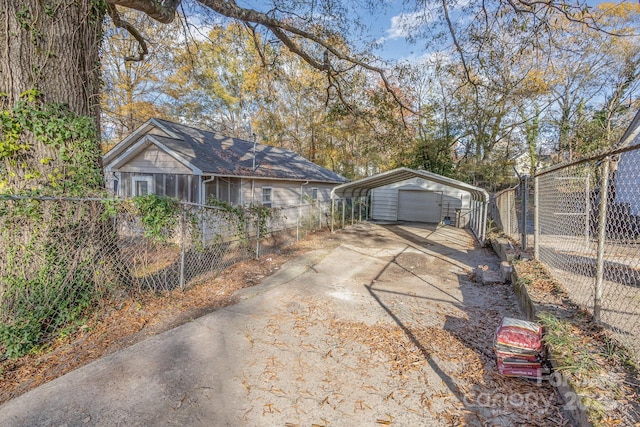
221 155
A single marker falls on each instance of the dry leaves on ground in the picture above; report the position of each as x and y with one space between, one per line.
119 324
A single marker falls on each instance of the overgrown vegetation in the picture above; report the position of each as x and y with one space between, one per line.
243 219
66 256
69 163
48 278
62 260
158 214
48 272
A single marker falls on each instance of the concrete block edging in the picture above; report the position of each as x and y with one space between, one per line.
571 400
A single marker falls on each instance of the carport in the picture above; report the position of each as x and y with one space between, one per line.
415 195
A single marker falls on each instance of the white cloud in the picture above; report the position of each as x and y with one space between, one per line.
405 25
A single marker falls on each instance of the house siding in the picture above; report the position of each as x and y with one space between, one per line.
154 160
155 164
627 180
284 193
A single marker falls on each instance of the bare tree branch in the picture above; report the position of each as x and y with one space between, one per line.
577 13
164 11
455 41
280 29
120 23
161 10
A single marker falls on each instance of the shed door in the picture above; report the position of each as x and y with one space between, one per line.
418 205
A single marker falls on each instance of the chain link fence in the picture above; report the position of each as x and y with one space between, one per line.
511 210
588 234
502 210
61 258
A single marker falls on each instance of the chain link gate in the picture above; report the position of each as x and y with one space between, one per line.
512 211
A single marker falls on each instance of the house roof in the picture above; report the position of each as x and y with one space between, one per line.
210 153
629 138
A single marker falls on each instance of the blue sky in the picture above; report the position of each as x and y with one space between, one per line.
387 27
392 37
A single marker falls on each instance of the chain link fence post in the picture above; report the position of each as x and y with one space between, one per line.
508 225
602 234
259 223
536 217
182 247
587 214
523 215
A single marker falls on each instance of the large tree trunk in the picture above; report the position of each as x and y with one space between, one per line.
52 46
50 50
56 256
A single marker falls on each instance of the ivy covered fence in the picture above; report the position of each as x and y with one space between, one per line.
86 252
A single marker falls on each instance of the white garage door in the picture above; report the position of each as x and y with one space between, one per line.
417 205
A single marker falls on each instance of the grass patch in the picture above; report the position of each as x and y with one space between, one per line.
601 371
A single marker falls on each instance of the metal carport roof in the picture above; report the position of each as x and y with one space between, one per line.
362 187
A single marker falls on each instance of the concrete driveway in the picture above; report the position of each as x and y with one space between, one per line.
386 329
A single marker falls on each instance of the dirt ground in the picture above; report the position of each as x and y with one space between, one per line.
379 325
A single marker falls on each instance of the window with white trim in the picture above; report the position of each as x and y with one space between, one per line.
314 195
142 185
267 193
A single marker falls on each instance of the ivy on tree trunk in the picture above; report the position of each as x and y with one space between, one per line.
54 255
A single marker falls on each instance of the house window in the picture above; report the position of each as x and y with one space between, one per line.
314 195
170 184
142 185
267 192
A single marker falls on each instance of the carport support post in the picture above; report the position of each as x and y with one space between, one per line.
353 209
476 218
333 211
477 215
483 226
602 234
366 207
344 208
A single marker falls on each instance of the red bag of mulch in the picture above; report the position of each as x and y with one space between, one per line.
522 359
518 337
531 372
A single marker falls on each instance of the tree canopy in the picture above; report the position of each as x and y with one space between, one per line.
303 75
